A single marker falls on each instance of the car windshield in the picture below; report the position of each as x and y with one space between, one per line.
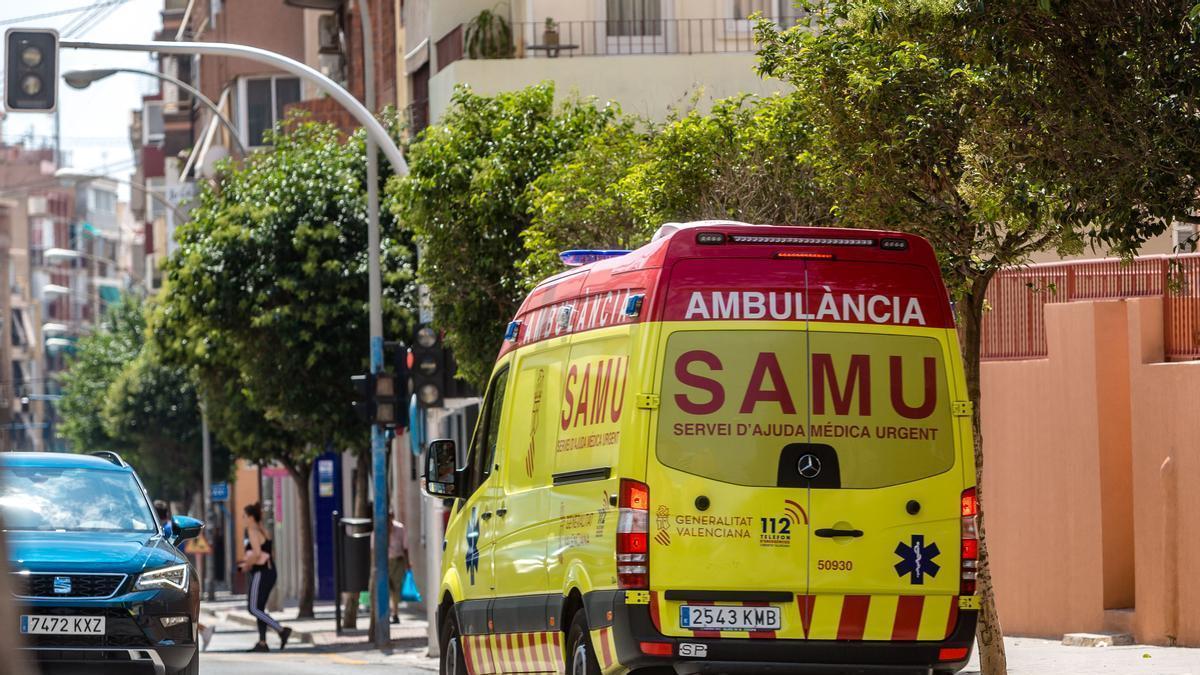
72 499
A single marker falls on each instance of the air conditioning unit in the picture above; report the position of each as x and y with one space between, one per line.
328 38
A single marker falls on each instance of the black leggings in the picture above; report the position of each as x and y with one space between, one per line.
262 580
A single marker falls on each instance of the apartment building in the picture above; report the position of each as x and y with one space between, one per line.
61 243
650 56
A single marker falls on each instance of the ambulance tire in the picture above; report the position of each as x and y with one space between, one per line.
452 660
580 658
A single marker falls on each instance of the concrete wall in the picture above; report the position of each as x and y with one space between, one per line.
1086 529
648 85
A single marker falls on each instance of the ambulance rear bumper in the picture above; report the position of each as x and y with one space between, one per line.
631 626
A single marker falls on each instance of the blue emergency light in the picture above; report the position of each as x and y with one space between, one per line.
579 257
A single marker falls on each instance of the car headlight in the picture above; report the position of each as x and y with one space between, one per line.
175 576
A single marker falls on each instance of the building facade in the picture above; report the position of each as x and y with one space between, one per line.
649 56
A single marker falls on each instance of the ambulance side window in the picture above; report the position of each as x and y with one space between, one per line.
487 436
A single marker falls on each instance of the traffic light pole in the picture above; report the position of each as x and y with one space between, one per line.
376 136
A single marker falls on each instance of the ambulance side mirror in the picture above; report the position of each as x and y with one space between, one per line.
441 469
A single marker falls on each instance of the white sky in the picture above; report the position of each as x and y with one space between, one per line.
95 121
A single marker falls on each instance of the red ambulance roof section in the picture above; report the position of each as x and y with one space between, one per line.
680 282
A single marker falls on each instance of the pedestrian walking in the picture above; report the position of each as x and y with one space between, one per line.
397 563
163 511
260 562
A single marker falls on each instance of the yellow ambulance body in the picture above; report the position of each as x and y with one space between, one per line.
736 449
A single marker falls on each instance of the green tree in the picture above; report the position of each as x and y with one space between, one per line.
929 123
266 302
747 159
98 361
467 200
119 395
583 202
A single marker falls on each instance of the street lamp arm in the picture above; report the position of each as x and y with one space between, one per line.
156 197
105 72
372 126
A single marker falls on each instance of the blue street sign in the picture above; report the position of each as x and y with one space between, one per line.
220 492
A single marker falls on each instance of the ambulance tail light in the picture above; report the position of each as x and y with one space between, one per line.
970 541
633 535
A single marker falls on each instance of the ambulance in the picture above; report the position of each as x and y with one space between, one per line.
737 449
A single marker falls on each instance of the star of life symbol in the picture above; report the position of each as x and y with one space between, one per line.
916 559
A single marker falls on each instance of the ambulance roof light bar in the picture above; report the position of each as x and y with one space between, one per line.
577 257
801 241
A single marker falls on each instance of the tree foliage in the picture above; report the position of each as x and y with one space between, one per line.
968 123
467 200
266 301
119 394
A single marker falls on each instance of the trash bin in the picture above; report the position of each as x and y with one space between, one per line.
351 560
355 567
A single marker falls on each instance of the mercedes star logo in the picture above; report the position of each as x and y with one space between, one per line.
809 466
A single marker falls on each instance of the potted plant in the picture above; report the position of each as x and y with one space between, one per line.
489 36
550 34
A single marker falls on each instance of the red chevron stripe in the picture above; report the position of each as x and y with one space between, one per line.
547 659
908 617
806 603
513 656
604 649
557 652
468 648
854 617
952 622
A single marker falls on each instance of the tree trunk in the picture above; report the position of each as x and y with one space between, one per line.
362 509
988 633
302 476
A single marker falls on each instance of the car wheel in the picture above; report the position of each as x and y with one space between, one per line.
452 661
193 666
581 660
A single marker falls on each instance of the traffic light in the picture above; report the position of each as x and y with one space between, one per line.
382 398
31 70
428 368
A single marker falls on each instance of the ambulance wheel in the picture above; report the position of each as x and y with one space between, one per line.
452 661
581 660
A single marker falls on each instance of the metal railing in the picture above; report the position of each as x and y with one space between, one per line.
1014 327
618 37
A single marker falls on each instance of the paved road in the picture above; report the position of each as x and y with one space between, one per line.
227 655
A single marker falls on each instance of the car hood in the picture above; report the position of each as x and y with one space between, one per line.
125 552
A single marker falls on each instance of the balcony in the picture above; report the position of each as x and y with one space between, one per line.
616 38
648 67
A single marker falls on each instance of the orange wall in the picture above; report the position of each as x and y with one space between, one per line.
1074 495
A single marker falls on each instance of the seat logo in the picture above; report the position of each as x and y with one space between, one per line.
809 466
62 585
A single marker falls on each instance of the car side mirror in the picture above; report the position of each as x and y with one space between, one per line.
441 469
182 528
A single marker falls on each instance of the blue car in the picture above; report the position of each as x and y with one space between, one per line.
100 586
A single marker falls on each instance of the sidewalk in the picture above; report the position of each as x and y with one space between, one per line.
409 635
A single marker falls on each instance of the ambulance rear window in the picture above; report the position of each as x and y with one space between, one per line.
739 405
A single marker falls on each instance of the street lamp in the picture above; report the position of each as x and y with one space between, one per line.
82 79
